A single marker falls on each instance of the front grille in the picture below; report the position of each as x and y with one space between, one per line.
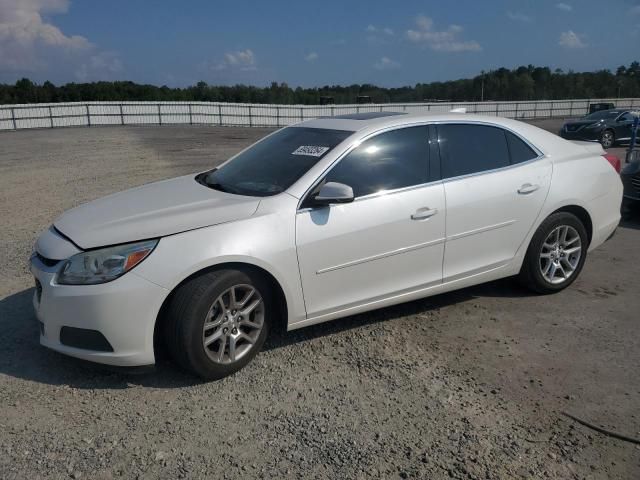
38 290
47 261
635 181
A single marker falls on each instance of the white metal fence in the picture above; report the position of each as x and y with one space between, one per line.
51 115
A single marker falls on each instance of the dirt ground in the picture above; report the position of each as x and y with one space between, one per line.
470 384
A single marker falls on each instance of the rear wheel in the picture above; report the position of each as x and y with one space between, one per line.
218 322
556 254
607 139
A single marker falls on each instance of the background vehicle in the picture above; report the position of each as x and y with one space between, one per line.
597 107
607 127
324 219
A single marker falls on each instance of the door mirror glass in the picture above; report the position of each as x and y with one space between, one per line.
333 192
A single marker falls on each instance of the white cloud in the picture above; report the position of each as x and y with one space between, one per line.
385 63
570 39
383 30
102 65
311 57
243 60
26 38
519 17
564 6
441 41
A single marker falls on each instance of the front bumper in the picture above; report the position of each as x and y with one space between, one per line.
123 311
631 185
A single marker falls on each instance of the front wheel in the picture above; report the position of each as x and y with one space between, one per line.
218 321
556 254
607 139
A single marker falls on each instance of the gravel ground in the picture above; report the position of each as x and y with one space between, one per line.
469 384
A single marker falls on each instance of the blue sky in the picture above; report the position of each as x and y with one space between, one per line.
315 43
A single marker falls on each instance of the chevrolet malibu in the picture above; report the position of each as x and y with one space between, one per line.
317 221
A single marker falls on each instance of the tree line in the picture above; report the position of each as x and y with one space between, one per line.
522 83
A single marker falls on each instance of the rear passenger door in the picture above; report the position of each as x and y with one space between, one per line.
495 185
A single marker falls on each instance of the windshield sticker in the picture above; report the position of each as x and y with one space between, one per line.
310 150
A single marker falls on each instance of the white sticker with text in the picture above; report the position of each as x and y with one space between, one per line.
310 150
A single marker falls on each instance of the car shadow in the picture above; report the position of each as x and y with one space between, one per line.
22 356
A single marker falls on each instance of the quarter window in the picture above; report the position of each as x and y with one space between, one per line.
519 151
388 161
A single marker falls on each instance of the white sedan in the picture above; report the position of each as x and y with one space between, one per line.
317 221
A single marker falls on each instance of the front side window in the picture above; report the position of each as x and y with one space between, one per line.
275 163
467 149
388 161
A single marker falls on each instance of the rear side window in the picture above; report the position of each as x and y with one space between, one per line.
520 151
466 149
388 161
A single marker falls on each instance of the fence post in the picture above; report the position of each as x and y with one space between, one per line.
159 115
277 115
250 117
121 115
571 109
190 116
220 114
333 113
535 109
13 118
404 107
517 103
86 106
497 109
50 117
301 114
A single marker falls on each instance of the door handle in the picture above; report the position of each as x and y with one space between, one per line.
528 188
424 213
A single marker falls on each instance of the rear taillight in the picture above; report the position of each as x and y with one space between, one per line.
613 160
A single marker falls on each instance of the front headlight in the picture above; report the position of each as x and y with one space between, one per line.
594 125
104 264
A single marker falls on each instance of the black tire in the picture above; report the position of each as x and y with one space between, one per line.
186 316
607 139
530 274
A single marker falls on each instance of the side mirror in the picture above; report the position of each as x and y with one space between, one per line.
333 192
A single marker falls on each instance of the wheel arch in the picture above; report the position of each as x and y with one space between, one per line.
582 214
277 290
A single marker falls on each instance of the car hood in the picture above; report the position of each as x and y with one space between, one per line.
152 211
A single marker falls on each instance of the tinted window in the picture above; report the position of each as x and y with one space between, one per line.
387 161
626 117
274 164
520 151
466 149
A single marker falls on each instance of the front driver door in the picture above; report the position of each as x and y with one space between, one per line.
388 241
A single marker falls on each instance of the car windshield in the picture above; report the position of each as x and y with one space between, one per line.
275 163
603 115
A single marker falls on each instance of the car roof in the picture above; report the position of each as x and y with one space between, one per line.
380 120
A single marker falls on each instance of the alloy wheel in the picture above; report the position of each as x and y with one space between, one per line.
560 254
233 324
607 139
